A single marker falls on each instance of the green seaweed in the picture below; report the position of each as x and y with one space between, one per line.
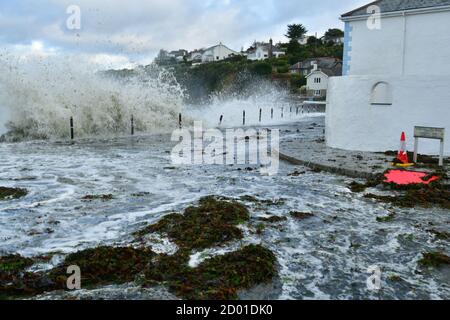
273 219
103 197
213 222
13 264
210 223
267 202
357 187
14 280
440 235
301 215
427 196
260 227
104 265
12 193
385 219
434 260
395 278
219 278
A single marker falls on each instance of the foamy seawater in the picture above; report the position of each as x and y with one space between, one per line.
324 257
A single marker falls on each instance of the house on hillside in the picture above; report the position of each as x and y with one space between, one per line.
304 39
305 67
263 51
317 80
171 57
396 75
337 40
195 56
179 55
218 53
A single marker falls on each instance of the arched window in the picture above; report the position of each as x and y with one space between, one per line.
381 94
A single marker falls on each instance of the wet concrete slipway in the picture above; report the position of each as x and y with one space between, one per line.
324 257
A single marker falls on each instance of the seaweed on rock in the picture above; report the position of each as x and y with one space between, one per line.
212 222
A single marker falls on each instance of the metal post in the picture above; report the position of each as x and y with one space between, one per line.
441 155
271 113
416 149
180 123
132 125
260 115
243 118
72 136
220 120
296 112
282 113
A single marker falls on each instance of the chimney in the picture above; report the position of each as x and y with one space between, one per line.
314 65
270 48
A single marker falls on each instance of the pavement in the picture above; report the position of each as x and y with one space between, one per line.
306 146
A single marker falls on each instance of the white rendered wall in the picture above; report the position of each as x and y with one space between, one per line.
352 123
323 85
405 45
218 51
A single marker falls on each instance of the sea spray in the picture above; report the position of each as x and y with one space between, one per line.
250 94
38 95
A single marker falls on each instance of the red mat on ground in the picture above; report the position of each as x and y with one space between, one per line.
403 177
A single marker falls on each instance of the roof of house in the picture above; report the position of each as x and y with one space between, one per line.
397 5
218 45
180 52
333 72
264 46
322 63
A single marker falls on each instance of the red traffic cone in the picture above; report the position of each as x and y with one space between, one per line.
402 156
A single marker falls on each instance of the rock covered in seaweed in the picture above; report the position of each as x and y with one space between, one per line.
213 222
12 193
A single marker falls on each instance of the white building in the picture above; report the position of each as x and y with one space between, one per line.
304 39
217 53
396 76
335 40
317 79
262 51
317 84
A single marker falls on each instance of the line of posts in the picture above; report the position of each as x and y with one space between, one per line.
180 120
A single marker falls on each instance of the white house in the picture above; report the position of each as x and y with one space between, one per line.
317 83
335 40
263 51
317 79
217 53
304 39
195 56
396 75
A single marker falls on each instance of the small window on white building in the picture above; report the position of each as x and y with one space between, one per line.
317 93
381 94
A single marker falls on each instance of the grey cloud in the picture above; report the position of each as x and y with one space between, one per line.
141 28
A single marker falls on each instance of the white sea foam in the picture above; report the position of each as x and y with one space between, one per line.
39 95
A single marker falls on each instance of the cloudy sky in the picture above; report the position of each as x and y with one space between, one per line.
121 33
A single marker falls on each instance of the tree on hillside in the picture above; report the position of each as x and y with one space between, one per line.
314 41
296 32
333 33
